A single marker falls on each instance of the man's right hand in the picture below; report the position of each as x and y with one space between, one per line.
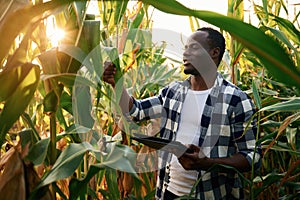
109 73
110 70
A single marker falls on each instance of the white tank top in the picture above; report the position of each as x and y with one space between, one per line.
181 180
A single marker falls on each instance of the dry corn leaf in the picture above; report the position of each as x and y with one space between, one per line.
32 180
127 184
146 160
12 182
281 129
12 177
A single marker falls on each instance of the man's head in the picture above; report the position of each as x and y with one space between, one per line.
204 50
215 40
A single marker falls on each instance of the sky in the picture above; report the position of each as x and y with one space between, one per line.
181 23
174 29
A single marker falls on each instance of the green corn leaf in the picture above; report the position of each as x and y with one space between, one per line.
138 20
80 8
120 157
21 95
92 61
290 105
90 37
282 37
288 28
66 102
69 79
78 187
82 106
28 137
10 80
66 163
38 152
120 7
265 6
256 95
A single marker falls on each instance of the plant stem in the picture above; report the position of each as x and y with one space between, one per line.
252 167
52 138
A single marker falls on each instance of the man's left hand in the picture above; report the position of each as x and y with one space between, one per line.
192 161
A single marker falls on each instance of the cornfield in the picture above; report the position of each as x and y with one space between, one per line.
62 133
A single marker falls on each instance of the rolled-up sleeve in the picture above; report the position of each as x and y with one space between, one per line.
245 131
145 109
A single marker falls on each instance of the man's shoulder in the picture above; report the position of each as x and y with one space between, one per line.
228 83
174 88
178 84
232 89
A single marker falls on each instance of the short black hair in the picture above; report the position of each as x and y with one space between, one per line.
215 39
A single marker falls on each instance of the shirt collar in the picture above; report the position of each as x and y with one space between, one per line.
218 81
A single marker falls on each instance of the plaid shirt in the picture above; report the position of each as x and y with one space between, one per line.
224 131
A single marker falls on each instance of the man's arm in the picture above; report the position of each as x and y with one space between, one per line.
139 110
126 101
192 161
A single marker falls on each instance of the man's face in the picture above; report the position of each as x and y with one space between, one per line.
196 57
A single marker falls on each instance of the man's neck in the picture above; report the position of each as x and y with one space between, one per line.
198 83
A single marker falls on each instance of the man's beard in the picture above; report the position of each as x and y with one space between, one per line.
191 71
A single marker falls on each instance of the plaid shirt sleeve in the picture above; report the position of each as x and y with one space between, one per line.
149 108
244 129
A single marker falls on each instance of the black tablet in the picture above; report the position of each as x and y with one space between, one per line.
161 144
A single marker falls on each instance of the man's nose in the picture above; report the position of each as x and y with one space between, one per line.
186 52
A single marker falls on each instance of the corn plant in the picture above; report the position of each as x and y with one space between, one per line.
66 119
50 119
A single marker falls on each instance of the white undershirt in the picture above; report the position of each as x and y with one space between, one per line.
181 180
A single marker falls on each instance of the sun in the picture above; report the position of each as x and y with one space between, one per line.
59 34
54 34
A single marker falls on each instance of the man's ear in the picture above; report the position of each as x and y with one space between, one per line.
215 52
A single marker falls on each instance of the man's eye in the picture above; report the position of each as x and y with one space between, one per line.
194 46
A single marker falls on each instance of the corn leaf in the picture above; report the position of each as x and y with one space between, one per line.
290 105
120 7
289 29
256 95
9 6
10 80
12 176
13 26
120 157
66 163
20 97
270 53
69 79
38 152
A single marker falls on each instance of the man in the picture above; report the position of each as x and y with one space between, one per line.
207 113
